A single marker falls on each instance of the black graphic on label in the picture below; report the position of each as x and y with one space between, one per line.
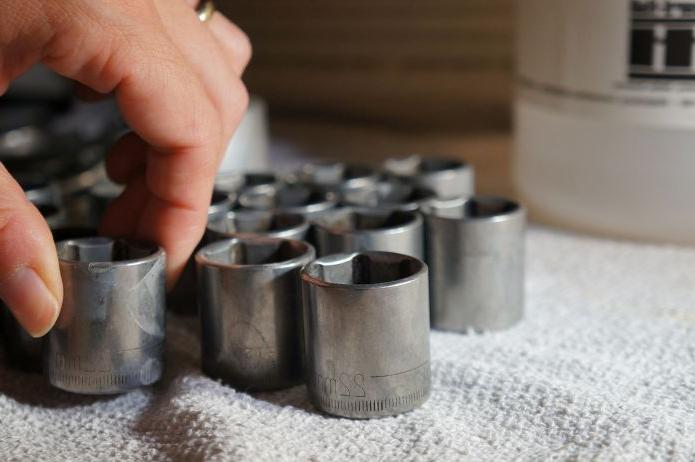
662 39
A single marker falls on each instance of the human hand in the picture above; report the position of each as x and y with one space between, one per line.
177 83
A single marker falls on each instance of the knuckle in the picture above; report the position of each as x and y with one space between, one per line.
238 43
244 47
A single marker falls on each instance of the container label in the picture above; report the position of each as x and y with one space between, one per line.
627 60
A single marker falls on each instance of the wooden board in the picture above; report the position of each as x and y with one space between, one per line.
425 63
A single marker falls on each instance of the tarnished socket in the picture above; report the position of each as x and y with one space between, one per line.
366 318
235 182
256 222
475 251
339 177
448 178
355 229
390 193
221 202
109 337
302 199
250 310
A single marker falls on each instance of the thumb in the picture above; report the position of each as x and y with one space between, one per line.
30 282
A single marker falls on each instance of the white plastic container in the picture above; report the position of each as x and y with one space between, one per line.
605 116
247 151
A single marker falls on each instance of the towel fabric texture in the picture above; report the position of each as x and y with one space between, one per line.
601 368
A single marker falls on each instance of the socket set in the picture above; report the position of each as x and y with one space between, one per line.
329 276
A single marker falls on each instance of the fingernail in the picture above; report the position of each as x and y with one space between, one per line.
32 304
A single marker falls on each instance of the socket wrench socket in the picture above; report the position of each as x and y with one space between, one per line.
475 252
109 337
235 182
366 324
220 202
354 229
256 222
250 311
338 177
448 178
390 193
302 199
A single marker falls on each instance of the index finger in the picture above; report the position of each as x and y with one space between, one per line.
163 100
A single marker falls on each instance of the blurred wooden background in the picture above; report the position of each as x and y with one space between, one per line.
425 64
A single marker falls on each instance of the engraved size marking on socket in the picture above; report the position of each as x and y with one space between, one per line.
402 372
335 388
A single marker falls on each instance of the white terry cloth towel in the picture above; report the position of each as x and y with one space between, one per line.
601 368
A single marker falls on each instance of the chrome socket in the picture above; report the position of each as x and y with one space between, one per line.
256 222
448 178
475 251
353 229
302 199
220 202
391 193
366 324
109 337
250 311
338 177
235 182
